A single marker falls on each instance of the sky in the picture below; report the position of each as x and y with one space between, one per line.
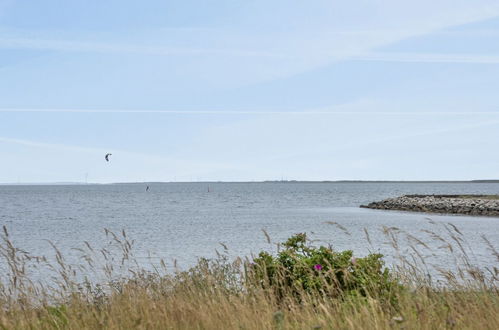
248 90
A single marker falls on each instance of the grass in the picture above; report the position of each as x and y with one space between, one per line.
479 196
224 293
492 197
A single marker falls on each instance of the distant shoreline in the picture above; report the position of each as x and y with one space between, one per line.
248 182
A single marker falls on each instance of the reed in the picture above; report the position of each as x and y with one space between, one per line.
110 289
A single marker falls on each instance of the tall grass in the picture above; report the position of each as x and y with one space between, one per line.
110 289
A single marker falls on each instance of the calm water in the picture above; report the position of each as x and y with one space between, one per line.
184 221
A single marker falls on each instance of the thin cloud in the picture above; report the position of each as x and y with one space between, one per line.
251 112
290 54
38 144
102 151
428 58
78 46
297 53
386 139
102 47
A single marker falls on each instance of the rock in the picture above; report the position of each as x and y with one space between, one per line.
486 205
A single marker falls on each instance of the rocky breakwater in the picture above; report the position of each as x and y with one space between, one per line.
485 205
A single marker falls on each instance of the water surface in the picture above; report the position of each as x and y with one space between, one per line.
184 221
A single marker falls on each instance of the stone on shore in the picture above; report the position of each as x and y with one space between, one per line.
484 205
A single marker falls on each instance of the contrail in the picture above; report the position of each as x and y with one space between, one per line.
102 47
428 58
254 112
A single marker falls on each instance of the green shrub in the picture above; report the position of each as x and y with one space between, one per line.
300 268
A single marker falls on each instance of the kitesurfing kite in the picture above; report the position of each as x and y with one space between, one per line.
107 157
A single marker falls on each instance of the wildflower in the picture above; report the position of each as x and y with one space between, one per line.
318 267
353 261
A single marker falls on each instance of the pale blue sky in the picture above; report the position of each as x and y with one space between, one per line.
248 90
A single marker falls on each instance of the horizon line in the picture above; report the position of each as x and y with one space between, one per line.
246 181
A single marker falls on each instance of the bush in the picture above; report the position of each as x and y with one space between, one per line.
301 269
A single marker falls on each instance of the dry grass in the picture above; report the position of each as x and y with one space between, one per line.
218 294
479 196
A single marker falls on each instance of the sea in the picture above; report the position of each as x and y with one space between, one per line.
182 222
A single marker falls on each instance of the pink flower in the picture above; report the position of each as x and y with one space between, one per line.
318 267
353 261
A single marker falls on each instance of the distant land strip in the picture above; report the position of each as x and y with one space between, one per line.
265 181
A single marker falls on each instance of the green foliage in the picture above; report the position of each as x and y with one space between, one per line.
57 316
301 268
